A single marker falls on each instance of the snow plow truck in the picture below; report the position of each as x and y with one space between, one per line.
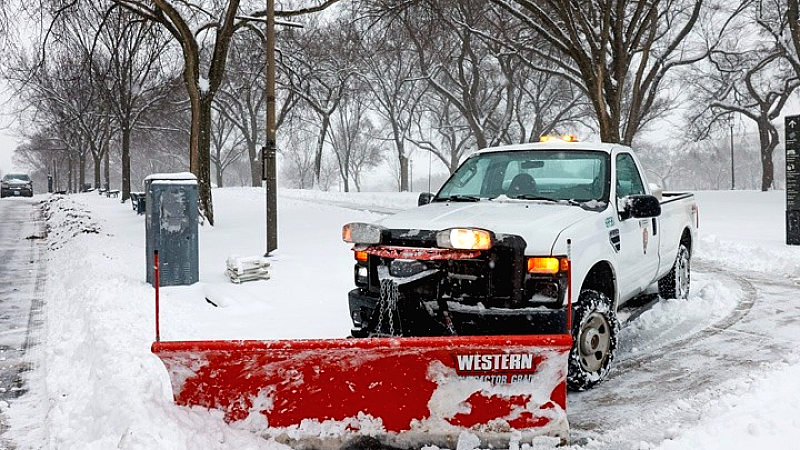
472 313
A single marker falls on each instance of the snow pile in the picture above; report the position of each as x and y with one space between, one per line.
65 220
671 319
100 387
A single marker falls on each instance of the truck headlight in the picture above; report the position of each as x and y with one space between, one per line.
361 233
465 239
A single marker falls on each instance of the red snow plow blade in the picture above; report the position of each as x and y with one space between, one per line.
320 393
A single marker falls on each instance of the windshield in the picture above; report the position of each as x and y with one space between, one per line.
552 175
16 176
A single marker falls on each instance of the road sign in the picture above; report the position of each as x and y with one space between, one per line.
792 180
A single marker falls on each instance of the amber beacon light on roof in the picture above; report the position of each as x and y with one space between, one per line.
564 138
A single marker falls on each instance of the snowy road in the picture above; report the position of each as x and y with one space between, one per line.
652 396
21 284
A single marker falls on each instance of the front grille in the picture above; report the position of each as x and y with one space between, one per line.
409 238
494 277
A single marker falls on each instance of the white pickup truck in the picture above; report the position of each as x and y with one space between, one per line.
510 234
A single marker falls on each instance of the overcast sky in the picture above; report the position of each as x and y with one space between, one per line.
8 129
7 146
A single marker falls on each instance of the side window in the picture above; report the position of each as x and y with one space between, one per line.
628 180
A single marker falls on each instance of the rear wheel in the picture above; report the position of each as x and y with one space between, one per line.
675 284
594 334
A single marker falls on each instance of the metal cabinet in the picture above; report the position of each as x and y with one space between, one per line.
171 228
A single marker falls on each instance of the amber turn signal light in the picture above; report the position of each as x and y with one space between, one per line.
547 265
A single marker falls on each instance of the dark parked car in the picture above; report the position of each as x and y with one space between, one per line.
16 185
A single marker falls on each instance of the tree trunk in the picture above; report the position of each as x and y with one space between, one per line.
403 174
609 124
768 137
107 169
218 166
768 170
320 143
255 164
202 168
126 163
98 162
69 175
81 171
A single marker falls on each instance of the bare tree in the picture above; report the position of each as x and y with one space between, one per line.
137 75
299 159
317 75
67 103
481 88
189 23
440 131
389 71
619 52
226 148
793 16
352 138
460 67
750 78
242 97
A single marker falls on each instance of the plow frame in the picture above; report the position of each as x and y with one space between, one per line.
403 391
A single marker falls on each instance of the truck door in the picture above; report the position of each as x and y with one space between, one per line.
638 250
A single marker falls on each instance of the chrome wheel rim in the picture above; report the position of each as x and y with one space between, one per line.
594 342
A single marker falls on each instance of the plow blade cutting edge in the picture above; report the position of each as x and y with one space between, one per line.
403 391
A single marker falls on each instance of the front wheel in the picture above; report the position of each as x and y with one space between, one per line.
675 284
594 334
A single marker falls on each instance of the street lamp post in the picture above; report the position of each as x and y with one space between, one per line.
269 174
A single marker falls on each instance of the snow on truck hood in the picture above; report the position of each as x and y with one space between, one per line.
538 223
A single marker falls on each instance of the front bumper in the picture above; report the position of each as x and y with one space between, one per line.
424 318
16 192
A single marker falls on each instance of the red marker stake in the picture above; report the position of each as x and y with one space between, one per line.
155 258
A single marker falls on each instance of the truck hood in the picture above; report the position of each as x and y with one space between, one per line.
538 223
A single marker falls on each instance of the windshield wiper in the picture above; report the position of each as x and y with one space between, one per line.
548 199
458 198
534 197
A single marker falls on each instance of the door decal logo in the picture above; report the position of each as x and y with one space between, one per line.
645 238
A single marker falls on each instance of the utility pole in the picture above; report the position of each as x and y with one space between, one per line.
268 169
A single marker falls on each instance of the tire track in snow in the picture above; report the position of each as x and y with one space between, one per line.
743 306
651 397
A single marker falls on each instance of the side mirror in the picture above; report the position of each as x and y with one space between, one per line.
424 198
639 207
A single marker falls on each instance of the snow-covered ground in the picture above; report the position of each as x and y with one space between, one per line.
95 384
